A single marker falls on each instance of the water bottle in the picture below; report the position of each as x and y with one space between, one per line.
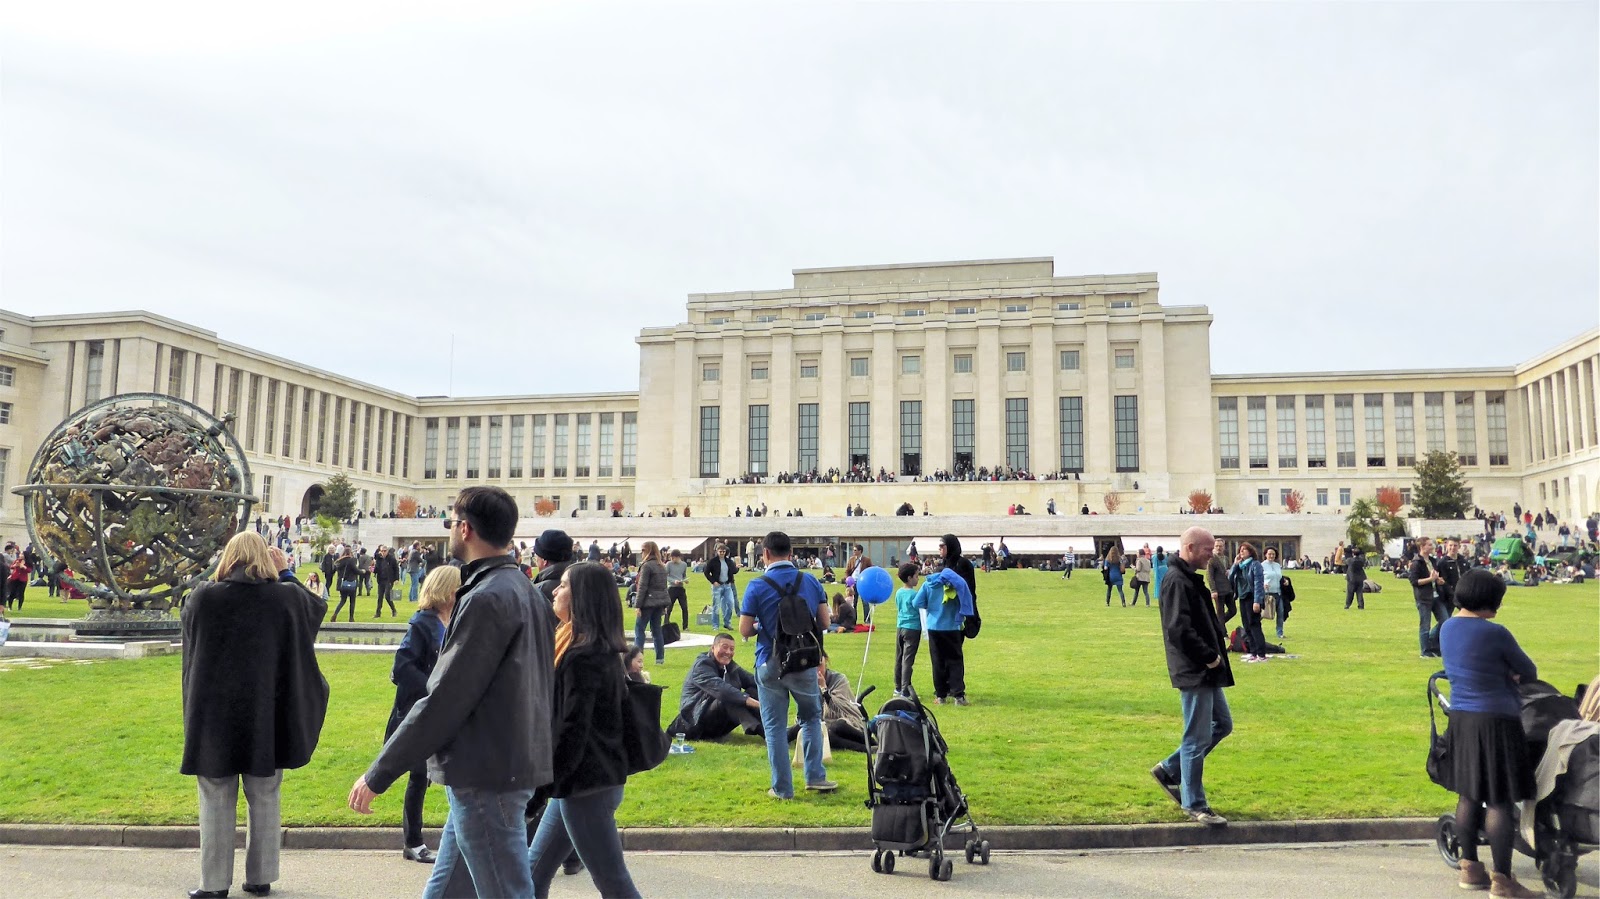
679 745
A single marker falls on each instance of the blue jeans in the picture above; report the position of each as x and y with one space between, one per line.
588 824
415 584
1278 607
653 616
722 605
775 692
1206 721
1427 630
486 832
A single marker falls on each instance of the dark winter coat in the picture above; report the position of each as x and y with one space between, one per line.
1190 630
587 705
414 661
955 561
709 685
253 696
385 568
652 586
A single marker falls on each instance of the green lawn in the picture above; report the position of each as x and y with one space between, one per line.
1071 707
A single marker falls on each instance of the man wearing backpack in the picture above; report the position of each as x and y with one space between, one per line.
786 610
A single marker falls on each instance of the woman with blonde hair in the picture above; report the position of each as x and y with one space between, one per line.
248 721
413 663
651 590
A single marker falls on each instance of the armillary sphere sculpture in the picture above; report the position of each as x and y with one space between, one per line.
138 494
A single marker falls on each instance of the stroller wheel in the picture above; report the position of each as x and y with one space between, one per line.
945 870
1445 840
1560 873
983 852
877 861
888 861
936 865
972 852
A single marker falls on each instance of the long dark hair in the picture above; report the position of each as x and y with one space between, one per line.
596 608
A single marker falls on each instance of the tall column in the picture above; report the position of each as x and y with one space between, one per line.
1152 351
1098 420
1569 417
782 426
684 444
1042 368
1547 411
885 428
936 444
1585 401
989 412
834 397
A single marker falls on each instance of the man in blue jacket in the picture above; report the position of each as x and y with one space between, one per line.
758 618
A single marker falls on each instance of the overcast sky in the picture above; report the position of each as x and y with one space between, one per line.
1345 185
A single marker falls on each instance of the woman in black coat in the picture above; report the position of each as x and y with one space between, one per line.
945 650
590 761
253 703
346 575
413 663
387 571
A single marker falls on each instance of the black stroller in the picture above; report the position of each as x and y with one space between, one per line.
1565 822
915 800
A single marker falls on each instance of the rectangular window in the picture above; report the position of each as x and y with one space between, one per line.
600 502
911 365
350 455
757 437
1067 307
555 500
1127 432
5 466
366 501
1344 496
1263 496
338 431
1283 496
1228 432
1466 429
366 438
305 422
5 413
964 310
235 380
540 431
1316 434
913 313
272 414
288 418
1256 429
1016 307
962 430
1287 452
808 369
1405 496
860 434
254 415
1405 429
630 444
815 316
94 373
1071 433
962 364
719 320
385 420
711 371
1344 428
1123 359
758 371
862 313
1322 496
1016 361
1017 433
858 366
558 464
608 443
911 437
322 427
766 319
1069 360
1372 404
710 441
585 440
806 455
452 448
1121 304
266 493
583 502
1499 444
497 430
8 376
175 364
1432 421
518 441
405 471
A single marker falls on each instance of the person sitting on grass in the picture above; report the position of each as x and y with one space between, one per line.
841 714
844 615
633 664
718 695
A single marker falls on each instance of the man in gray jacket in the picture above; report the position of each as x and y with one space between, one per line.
484 726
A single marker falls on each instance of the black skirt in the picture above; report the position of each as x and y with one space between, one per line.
1489 756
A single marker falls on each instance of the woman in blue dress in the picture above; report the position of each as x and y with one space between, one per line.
1160 569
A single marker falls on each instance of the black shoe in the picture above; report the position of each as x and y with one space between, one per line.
571 866
1167 783
208 894
258 889
419 854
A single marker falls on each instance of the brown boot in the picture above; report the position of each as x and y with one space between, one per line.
1506 885
1473 875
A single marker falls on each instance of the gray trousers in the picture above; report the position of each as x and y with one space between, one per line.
219 810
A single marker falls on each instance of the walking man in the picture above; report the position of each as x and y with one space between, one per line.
1355 577
720 572
1197 663
484 726
759 618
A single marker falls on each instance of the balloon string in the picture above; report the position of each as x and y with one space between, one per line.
861 678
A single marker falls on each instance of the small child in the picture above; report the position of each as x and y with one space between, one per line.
908 627
633 665
314 583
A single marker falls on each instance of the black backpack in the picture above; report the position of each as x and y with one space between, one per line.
797 646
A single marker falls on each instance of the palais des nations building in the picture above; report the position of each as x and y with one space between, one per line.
908 368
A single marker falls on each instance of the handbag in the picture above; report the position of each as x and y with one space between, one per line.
1269 609
799 759
1439 764
642 737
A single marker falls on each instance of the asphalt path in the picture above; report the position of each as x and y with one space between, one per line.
1411 870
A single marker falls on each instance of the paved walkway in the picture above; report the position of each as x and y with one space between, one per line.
1411 870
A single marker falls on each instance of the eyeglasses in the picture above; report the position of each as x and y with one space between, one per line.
450 523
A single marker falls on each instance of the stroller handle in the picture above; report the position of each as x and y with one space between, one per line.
865 693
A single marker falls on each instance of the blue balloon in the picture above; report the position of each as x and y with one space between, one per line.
874 585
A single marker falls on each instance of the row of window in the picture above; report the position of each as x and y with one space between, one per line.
962 433
552 436
921 311
911 364
1285 419
268 424
1264 496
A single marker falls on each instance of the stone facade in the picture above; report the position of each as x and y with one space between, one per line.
1089 380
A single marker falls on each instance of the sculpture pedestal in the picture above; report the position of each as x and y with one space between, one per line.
113 626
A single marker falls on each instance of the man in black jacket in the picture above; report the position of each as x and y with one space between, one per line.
720 571
718 696
1222 596
1197 663
552 556
1426 583
1355 577
484 726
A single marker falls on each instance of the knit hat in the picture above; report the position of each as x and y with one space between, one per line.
553 546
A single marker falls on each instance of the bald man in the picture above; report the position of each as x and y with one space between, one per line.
1197 663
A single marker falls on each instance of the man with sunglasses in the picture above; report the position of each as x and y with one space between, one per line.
484 726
